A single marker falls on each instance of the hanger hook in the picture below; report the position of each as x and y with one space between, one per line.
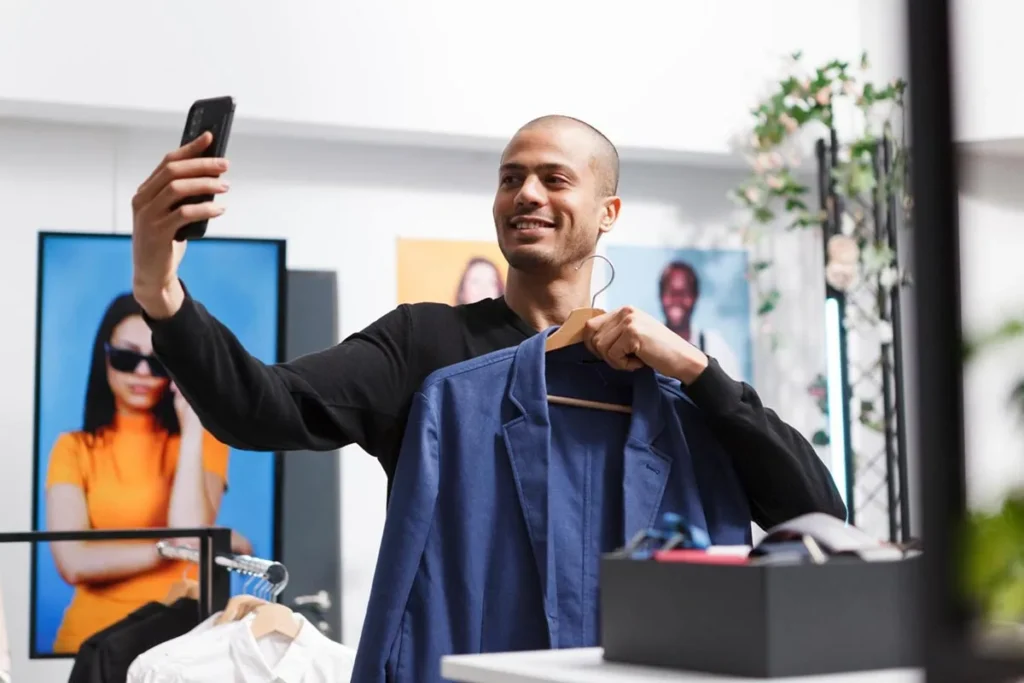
593 301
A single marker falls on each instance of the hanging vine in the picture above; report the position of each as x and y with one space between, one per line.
806 104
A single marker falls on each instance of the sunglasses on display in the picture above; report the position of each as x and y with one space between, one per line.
126 360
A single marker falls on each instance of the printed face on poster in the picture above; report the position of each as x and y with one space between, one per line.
701 294
112 434
449 271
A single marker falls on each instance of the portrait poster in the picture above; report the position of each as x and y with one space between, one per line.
702 294
117 447
449 271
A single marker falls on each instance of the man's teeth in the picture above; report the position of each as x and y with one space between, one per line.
530 225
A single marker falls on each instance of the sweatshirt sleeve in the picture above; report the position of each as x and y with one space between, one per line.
350 393
779 469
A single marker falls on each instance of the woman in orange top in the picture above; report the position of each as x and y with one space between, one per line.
141 459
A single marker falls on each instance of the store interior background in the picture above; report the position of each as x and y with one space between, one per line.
358 124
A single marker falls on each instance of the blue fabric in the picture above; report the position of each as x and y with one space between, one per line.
502 504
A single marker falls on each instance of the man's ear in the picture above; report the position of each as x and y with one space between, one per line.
610 208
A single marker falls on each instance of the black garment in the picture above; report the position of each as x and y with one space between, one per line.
360 392
112 651
87 650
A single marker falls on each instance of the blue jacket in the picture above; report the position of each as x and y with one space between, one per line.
503 503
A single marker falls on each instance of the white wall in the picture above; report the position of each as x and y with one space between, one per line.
667 75
992 244
987 51
341 207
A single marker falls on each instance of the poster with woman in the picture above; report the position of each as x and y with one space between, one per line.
117 446
701 294
449 271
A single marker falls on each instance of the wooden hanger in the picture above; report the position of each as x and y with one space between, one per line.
239 606
571 332
185 588
596 405
274 617
182 588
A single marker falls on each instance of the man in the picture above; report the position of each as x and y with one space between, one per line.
679 289
556 196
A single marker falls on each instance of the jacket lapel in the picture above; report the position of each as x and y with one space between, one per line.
528 444
647 460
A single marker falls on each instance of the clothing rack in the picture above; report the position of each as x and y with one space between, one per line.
274 573
214 551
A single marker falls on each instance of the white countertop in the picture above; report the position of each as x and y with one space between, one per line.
586 665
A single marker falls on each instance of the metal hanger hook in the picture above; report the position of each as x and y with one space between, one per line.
593 301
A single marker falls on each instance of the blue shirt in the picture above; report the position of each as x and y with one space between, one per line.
503 503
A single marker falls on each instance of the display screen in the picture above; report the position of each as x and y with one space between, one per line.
116 446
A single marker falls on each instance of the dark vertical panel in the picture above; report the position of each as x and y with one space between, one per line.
939 359
939 352
311 506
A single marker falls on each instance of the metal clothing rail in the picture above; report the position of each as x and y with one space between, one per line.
274 573
214 543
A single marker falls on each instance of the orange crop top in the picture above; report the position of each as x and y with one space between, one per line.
127 474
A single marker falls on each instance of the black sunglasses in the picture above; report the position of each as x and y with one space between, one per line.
126 360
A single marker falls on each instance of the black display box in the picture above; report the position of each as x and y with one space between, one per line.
762 621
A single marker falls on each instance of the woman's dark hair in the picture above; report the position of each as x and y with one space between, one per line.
99 399
478 261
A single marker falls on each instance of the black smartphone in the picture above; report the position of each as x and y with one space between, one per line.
215 115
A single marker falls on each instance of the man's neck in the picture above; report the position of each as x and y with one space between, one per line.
547 301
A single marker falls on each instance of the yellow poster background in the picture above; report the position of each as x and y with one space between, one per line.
432 270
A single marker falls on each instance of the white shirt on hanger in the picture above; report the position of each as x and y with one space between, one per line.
230 654
154 658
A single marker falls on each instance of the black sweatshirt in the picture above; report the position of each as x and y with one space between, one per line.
360 392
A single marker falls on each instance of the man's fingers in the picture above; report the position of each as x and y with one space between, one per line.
189 213
186 151
616 344
190 168
601 340
180 168
632 363
620 353
183 188
596 323
191 149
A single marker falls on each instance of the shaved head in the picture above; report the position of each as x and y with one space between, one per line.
604 158
557 194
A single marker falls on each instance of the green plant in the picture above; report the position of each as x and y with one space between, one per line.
1009 330
993 542
775 195
993 555
807 102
